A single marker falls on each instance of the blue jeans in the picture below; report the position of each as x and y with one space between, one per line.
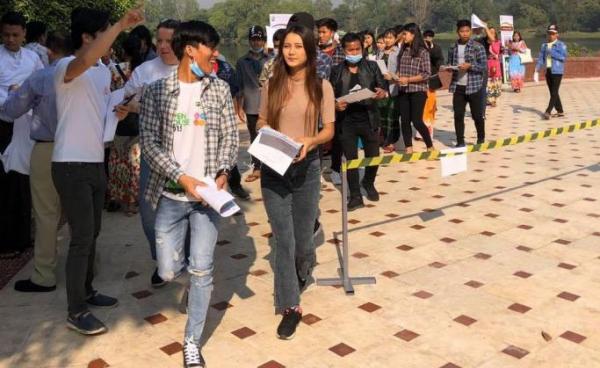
292 203
172 221
147 213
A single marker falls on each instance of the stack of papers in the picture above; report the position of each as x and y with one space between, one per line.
450 67
111 120
363 94
219 200
274 149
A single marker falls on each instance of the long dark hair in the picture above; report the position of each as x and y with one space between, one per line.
279 83
132 48
517 33
417 44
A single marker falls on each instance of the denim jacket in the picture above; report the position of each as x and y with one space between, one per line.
558 53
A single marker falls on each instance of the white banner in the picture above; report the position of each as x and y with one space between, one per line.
276 21
507 28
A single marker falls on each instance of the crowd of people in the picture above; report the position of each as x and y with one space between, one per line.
178 131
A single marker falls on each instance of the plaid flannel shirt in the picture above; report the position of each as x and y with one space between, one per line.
157 115
324 64
339 56
474 55
409 66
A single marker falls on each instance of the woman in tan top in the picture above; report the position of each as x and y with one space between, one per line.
292 102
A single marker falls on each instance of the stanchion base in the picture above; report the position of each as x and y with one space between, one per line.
347 283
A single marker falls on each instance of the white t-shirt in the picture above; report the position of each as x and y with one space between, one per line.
462 75
148 72
189 136
81 105
15 67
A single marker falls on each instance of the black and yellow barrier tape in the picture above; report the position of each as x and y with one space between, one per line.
435 155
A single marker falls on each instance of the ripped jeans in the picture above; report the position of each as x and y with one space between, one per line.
172 221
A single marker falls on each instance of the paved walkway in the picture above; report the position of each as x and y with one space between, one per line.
496 267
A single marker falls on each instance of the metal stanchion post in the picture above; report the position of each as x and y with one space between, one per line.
344 278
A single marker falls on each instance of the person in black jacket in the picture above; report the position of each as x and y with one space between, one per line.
437 59
359 119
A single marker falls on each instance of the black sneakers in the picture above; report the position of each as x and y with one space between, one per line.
240 192
192 358
156 280
289 322
372 193
28 286
86 324
317 229
355 203
101 301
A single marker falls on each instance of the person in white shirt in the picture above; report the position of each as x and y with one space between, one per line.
145 74
16 65
37 33
82 93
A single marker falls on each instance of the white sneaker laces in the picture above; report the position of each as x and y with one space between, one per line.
190 351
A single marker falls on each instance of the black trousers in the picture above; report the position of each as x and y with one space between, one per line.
81 187
370 139
459 103
553 82
411 110
15 211
337 149
235 178
251 121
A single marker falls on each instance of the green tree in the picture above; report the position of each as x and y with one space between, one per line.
57 13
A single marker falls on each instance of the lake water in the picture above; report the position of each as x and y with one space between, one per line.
233 52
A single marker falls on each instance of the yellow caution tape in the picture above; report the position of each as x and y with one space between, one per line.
396 158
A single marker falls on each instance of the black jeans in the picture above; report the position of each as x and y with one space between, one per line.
251 121
292 203
15 211
235 178
553 82
81 187
336 149
459 103
369 137
411 110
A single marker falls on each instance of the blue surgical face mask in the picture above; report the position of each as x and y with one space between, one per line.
197 70
354 59
259 50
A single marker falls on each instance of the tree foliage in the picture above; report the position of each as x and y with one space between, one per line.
232 18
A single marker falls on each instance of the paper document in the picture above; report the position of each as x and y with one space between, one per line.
454 164
111 120
219 200
361 95
476 22
274 149
450 67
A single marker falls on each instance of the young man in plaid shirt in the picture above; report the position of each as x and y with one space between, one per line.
467 82
188 133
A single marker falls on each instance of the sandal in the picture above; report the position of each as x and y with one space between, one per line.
409 150
389 148
253 177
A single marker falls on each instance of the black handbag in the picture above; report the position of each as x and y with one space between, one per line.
130 126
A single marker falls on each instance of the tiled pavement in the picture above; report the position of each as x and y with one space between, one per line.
496 267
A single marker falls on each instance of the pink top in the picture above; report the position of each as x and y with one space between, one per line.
517 47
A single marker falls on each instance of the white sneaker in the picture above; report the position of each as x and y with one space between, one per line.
191 354
336 178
